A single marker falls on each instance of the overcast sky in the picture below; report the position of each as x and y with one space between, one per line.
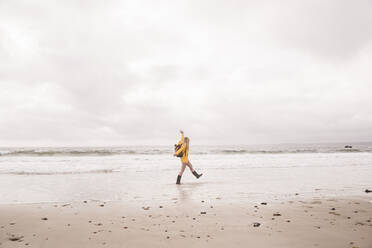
226 72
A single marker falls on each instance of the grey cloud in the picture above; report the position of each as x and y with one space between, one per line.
328 28
119 72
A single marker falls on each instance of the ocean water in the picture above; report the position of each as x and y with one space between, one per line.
148 174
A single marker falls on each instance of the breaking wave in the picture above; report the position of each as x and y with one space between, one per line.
57 172
69 152
197 150
287 151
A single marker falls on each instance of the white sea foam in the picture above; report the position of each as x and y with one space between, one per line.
149 173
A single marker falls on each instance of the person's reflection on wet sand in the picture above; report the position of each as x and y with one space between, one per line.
186 190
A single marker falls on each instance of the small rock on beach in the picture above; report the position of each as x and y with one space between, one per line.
256 224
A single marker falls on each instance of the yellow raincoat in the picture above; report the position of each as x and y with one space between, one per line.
184 149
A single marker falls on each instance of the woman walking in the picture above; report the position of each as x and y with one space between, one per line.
183 153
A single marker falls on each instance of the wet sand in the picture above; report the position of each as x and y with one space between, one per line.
213 222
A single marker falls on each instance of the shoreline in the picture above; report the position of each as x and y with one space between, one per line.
212 222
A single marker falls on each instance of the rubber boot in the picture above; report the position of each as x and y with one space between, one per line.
196 174
178 179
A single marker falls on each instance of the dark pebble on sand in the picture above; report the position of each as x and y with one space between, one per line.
16 238
333 209
256 224
263 203
160 206
168 237
277 214
125 227
85 201
203 212
44 218
102 205
368 191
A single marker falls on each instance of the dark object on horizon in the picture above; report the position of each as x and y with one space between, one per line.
348 146
368 191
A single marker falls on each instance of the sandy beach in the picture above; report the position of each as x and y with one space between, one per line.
56 198
213 222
